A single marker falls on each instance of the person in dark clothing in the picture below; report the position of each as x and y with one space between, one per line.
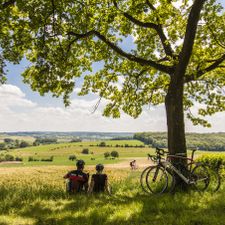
77 179
133 165
99 181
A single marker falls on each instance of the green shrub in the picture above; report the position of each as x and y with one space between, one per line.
24 144
19 159
72 157
115 154
106 154
30 159
102 144
85 151
8 140
9 157
213 160
3 146
48 159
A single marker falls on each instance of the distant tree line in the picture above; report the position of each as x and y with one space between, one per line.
76 140
103 144
9 143
207 141
44 141
122 138
11 158
32 159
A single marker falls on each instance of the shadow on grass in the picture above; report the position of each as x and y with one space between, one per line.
185 209
128 206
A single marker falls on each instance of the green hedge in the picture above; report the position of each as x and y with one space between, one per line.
213 160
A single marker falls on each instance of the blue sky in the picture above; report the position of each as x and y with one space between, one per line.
22 109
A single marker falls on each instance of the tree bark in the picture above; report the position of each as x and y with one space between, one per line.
175 117
175 127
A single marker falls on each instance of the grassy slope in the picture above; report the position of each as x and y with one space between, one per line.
21 138
37 196
61 152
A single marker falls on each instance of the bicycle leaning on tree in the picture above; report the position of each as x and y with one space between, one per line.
163 176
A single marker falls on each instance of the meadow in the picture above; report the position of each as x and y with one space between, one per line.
36 196
33 193
62 151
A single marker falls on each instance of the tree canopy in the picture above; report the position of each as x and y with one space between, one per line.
175 43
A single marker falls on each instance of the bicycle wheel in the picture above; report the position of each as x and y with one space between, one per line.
143 179
157 180
200 177
215 179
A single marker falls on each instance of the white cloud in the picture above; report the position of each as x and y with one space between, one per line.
17 113
77 90
11 96
10 90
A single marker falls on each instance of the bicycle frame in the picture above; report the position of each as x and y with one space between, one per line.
167 165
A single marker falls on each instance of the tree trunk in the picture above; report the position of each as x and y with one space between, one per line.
175 118
175 125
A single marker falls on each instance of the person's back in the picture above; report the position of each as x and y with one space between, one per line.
78 180
99 181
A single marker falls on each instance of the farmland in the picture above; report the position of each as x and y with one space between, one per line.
127 149
33 192
36 196
62 151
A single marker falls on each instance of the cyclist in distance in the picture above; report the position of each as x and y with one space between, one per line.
99 181
77 179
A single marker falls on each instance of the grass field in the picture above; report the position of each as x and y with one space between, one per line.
36 196
21 138
33 193
61 152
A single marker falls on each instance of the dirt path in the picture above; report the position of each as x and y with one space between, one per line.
10 162
141 162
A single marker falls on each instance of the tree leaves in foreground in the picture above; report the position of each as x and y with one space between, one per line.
149 52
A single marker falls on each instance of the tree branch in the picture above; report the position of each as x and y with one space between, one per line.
157 27
199 73
8 3
190 33
150 5
141 61
215 37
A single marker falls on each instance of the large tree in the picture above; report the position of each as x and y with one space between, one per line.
176 56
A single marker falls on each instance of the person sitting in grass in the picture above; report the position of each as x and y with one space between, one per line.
78 180
99 181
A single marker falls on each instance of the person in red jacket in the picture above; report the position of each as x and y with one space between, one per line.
77 179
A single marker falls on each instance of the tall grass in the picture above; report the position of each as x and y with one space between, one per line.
37 196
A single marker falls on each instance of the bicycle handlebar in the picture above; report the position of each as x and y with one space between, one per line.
161 151
152 157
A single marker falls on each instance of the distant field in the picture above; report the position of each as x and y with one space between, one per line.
62 151
21 138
